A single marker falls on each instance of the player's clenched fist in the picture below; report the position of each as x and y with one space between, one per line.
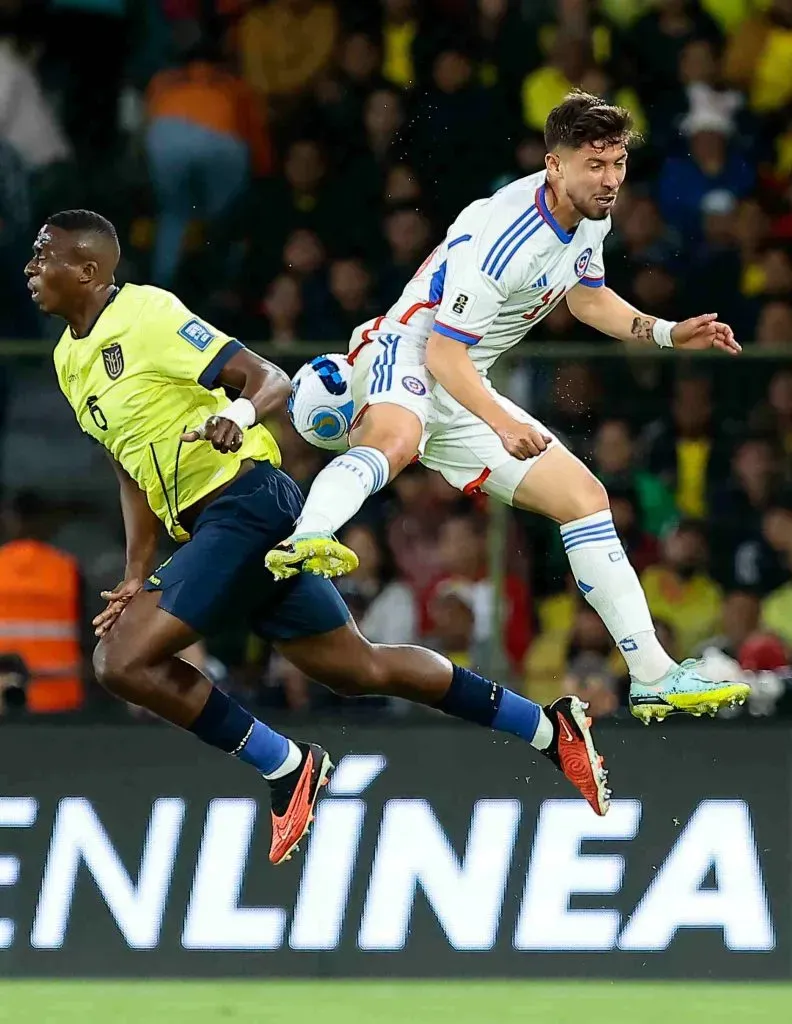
522 440
223 434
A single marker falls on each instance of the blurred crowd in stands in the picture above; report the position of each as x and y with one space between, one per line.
286 165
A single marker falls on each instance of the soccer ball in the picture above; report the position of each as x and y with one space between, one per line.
320 405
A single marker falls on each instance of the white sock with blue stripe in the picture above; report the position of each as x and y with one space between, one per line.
610 585
340 489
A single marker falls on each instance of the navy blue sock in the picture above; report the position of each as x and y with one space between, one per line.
228 726
476 699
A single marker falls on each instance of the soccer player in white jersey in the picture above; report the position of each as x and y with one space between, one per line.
420 384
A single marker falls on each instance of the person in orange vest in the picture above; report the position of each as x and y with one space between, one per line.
40 608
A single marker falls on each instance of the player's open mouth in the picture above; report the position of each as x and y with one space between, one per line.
605 200
34 292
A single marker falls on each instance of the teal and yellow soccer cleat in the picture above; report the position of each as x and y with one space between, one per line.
319 554
684 689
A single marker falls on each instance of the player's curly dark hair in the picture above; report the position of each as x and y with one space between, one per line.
85 221
584 118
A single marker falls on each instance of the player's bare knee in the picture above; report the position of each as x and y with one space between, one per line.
116 670
588 496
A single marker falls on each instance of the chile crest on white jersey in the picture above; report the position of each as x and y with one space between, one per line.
504 264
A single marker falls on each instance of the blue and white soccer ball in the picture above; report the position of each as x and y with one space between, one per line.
320 405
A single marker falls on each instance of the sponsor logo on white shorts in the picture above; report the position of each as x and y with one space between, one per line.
414 386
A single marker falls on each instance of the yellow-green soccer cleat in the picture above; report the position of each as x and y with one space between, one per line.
684 689
319 554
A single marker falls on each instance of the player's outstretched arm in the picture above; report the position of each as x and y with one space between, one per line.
142 529
607 312
450 365
264 389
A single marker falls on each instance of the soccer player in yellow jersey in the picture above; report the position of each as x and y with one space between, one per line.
146 379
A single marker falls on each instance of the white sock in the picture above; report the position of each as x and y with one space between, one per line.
610 585
341 488
543 736
292 761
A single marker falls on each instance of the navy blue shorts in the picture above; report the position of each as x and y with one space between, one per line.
218 580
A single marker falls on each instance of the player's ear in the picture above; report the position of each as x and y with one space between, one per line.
552 163
88 272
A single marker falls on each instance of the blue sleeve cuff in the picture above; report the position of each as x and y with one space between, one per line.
208 378
456 334
592 282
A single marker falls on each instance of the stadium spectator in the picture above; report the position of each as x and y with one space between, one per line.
576 403
301 198
742 498
590 676
715 268
777 605
656 40
442 139
352 301
462 554
399 36
384 606
714 164
407 233
17 316
375 149
641 547
27 121
774 325
680 590
555 650
285 45
283 309
616 465
422 501
205 134
704 94
453 608
685 450
546 87
342 92
401 186
740 619
759 56
87 43
643 238
41 607
505 47
753 230
775 413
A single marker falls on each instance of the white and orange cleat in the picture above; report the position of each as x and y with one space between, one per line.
572 751
293 799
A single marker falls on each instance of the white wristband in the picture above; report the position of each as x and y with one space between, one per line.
661 333
241 411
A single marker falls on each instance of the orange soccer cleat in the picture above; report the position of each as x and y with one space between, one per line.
572 751
293 800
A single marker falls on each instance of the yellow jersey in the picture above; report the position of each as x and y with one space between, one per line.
146 371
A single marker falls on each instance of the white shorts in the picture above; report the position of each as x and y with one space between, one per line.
391 368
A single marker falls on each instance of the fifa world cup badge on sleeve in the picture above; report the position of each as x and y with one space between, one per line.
197 333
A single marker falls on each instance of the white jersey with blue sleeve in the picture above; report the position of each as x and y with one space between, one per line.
504 264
